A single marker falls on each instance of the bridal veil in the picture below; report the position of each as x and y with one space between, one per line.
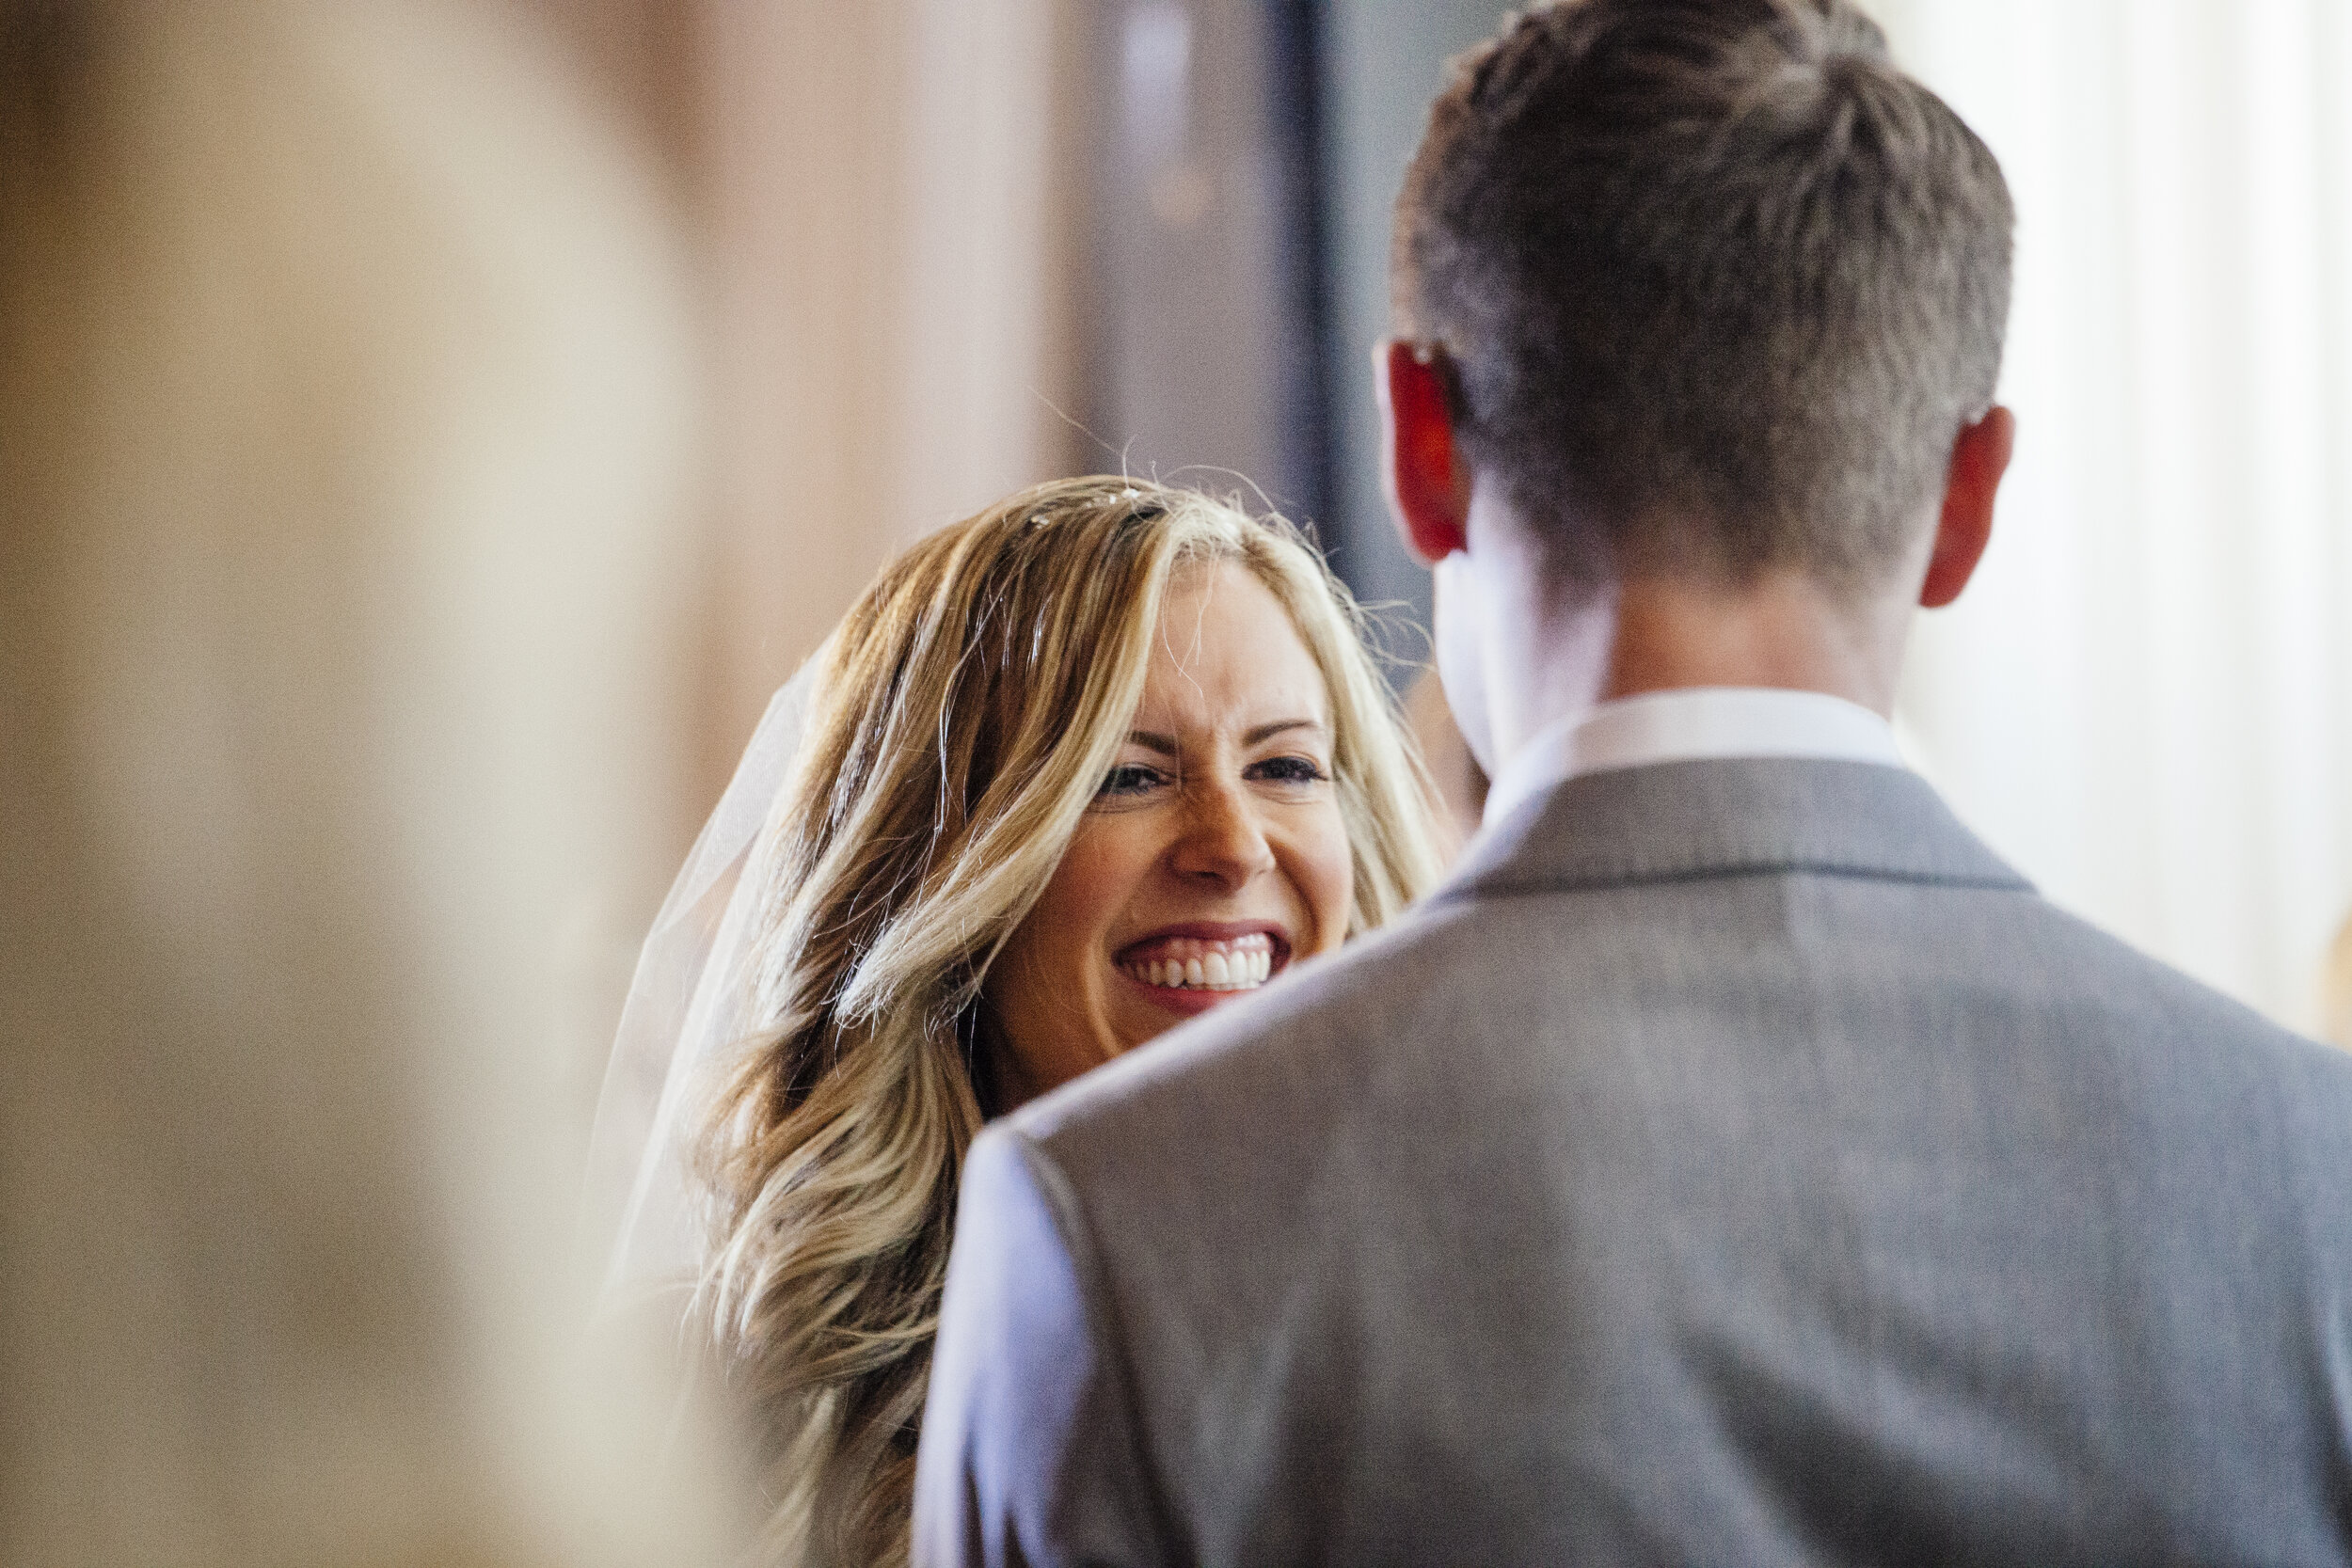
683 1011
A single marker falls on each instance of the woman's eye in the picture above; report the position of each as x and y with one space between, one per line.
1288 771
1130 777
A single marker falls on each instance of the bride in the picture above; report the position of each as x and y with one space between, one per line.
1073 771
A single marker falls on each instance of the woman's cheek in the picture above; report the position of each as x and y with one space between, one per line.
1099 876
1332 896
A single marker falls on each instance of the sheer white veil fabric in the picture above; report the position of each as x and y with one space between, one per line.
684 1011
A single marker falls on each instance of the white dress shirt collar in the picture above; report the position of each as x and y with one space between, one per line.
1688 725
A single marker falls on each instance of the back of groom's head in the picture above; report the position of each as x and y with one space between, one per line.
1715 284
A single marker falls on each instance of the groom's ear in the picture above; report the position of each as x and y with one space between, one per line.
1421 469
1964 525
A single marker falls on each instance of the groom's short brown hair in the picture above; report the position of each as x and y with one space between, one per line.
1716 284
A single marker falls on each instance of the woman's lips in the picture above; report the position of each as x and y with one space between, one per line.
1190 968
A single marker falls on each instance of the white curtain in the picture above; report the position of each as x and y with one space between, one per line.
2145 699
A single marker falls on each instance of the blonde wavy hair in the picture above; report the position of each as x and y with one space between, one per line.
967 710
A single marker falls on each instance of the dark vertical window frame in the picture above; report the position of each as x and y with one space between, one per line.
1306 486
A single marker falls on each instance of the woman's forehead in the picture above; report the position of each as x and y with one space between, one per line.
1226 648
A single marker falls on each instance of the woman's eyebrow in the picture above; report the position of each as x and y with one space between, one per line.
1267 731
1153 740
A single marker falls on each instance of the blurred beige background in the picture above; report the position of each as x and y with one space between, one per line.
882 204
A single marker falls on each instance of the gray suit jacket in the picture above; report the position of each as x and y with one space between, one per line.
1734 1163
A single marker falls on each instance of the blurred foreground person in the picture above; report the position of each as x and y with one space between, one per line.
341 416
1103 758
1734 1162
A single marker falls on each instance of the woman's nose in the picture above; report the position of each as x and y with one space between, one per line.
1223 840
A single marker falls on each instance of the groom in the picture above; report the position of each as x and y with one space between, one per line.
1735 1162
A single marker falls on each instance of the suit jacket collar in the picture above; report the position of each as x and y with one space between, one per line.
1683 820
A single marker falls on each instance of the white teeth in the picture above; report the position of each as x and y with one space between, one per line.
1242 963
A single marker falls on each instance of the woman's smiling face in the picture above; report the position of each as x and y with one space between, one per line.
1212 856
